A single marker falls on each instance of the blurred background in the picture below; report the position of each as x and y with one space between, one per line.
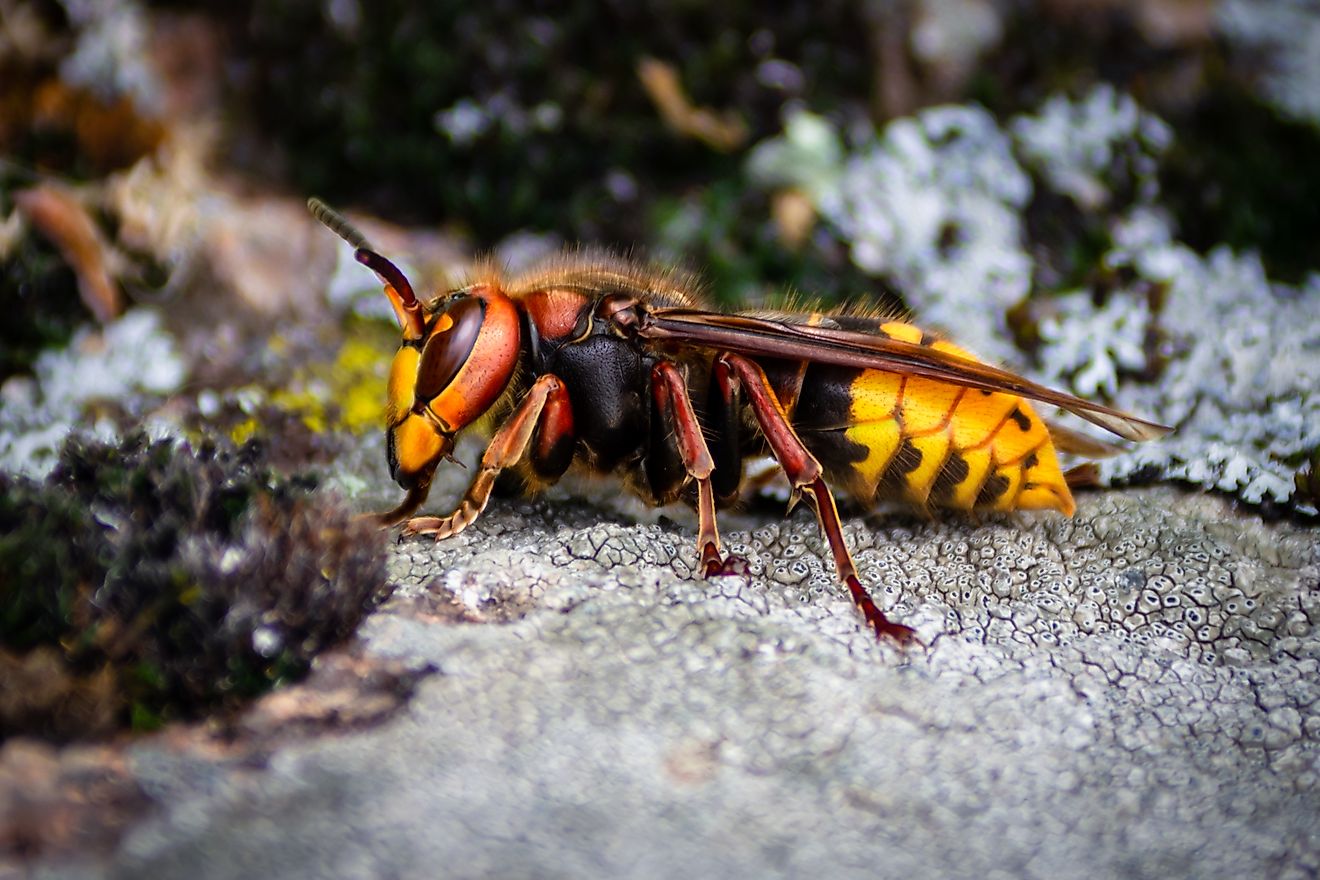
1120 197
638 124
1029 176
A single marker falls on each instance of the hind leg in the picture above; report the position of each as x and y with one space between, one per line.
805 476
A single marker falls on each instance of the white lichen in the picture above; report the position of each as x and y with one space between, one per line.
111 56
935 203
1092 347
955 33
1240 382
1080 147
464 122
131 358
467 121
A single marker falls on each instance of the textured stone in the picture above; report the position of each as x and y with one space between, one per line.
600 712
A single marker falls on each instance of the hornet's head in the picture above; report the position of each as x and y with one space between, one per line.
458 354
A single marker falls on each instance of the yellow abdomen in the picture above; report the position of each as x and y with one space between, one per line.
937 444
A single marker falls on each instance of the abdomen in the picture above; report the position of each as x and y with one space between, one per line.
885 436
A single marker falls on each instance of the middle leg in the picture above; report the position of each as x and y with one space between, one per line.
672 403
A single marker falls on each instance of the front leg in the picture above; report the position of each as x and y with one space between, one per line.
543 415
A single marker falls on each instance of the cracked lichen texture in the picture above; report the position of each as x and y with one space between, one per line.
1129 693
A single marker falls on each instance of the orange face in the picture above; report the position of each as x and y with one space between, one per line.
446 379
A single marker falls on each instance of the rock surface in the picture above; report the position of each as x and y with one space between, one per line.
1129 693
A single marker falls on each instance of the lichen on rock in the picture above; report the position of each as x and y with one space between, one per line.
939 204
1239 378
126 364
1153 655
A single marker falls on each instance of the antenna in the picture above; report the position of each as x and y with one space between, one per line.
406 307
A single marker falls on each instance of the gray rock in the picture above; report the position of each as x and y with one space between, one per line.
1129 693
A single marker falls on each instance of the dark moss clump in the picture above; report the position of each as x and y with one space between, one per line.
143 583
1307 482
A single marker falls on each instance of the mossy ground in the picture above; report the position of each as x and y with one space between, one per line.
144 582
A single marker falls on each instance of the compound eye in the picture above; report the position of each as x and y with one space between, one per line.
448 346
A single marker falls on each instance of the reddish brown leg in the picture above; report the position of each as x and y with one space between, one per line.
804 474
670 394
507 446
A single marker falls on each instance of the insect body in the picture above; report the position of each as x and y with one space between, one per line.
600 364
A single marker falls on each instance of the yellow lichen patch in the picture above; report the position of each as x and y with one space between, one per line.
963 495
881 439
243 431
358 372
928 405
902 332
343 395
304 403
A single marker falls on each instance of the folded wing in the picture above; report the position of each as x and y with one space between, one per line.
761 337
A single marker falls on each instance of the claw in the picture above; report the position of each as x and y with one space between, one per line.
713 566
424 525
884 628
793 498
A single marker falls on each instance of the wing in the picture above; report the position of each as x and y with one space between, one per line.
754 336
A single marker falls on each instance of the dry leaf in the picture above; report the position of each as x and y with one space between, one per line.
58 215
724 132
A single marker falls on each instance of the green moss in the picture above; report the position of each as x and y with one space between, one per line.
153 583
